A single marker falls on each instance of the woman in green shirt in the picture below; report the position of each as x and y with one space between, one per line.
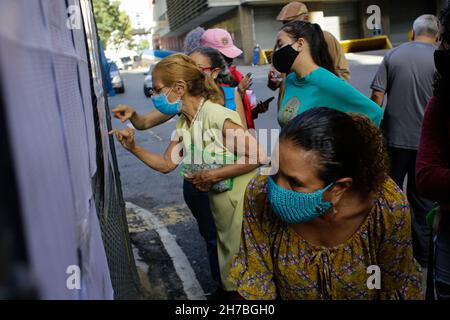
302 54
207 129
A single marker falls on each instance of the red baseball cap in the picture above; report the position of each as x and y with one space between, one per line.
221 40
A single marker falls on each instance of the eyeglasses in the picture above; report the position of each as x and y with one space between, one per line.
157 90
205 69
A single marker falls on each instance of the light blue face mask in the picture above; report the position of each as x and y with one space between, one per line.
297 207
163 105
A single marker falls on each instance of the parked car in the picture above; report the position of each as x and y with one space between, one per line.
148 81
127 63
116 78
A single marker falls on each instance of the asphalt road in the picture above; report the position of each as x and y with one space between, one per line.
161 194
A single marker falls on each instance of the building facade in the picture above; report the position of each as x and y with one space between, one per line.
141 18
252 22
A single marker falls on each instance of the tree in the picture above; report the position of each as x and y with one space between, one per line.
144 44
110 18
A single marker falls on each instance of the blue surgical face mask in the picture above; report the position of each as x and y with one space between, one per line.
163 105
297 207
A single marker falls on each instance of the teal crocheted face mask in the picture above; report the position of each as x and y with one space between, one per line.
297 207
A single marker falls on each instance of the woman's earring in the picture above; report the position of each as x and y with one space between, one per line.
334 211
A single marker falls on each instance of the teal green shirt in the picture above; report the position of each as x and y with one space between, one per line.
321 88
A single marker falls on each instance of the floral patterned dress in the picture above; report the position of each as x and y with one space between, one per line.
274 261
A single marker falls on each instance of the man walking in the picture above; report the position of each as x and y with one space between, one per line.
406 77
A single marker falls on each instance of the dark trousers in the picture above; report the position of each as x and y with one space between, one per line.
198 203
403 162
442 291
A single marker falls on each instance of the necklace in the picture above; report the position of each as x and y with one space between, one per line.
198 110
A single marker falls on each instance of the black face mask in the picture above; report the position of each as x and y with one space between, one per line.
284 58
442 62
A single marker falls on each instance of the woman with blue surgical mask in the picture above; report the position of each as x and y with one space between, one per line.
330 224
202 146
212 64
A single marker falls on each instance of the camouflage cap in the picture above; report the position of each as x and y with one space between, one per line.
292 10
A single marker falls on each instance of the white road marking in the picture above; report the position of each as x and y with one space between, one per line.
184 270
130 125
155 135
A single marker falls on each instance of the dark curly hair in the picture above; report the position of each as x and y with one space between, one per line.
348 145
441 84
217 61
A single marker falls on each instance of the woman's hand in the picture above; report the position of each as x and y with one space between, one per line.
125 137
261 107
274 80
203 180
245 84
123 112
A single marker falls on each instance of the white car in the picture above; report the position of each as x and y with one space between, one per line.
116 78
148 81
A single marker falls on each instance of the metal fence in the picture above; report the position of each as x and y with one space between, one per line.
106 182
58 148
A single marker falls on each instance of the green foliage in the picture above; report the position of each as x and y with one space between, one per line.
111 22
144 44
